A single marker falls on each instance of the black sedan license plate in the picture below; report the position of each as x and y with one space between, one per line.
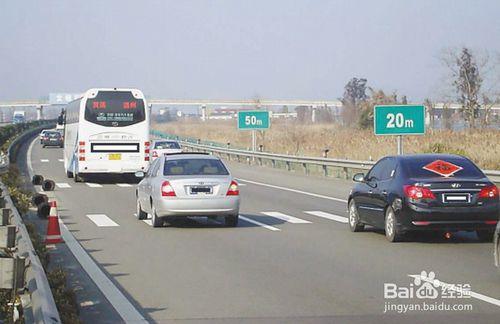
456 198
197 190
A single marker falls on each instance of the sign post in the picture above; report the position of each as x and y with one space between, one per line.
399 120
253 120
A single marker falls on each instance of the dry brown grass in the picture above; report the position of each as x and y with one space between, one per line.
482 146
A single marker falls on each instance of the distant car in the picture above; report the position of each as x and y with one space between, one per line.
52 138
161 147
188 184
42 133
426 192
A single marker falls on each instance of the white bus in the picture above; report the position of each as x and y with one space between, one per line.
106 132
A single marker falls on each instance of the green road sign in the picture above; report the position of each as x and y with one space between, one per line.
399 120
255 119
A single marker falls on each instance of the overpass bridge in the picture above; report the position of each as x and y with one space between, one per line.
222 102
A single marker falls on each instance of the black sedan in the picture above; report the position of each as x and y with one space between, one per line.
52 138
430 192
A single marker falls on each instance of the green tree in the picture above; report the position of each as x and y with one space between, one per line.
377 97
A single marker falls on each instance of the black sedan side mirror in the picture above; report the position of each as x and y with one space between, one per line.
359 177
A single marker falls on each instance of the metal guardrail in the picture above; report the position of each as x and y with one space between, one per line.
10 157
347 166
40 306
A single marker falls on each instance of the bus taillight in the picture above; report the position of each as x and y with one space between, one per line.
146 151
81 150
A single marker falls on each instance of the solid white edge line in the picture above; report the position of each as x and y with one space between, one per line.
120 303
28 158
269 227
479 296
294 190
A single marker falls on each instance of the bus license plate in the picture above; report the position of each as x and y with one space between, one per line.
115 156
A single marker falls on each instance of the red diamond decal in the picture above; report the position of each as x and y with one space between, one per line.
443 168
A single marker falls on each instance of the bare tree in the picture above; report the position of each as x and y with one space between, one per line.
468 75
430 110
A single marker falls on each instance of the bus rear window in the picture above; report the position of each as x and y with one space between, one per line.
115 109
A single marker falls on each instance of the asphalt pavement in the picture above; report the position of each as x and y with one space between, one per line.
292 258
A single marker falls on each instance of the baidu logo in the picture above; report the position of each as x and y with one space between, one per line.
425 293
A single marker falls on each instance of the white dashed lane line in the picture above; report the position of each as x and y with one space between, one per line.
93 185
44 160
124 185
286 218
60 160
333 217
101 220
269 227
62 185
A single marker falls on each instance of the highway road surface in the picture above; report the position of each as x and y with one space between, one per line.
292 258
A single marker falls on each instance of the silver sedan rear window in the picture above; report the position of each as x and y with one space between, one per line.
180 167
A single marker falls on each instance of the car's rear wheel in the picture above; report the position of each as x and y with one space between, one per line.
485 235
354 224
392 232
140 213
156 221
497 250
231 221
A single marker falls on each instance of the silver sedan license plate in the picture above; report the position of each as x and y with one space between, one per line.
200 190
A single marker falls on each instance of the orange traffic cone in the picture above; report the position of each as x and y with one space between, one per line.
53 230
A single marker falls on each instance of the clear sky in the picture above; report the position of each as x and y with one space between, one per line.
236 49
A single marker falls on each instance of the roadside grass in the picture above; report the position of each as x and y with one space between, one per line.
289 137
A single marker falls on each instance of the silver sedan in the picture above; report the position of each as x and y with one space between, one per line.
187 184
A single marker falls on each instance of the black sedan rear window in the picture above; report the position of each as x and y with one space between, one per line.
194 167
433 167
